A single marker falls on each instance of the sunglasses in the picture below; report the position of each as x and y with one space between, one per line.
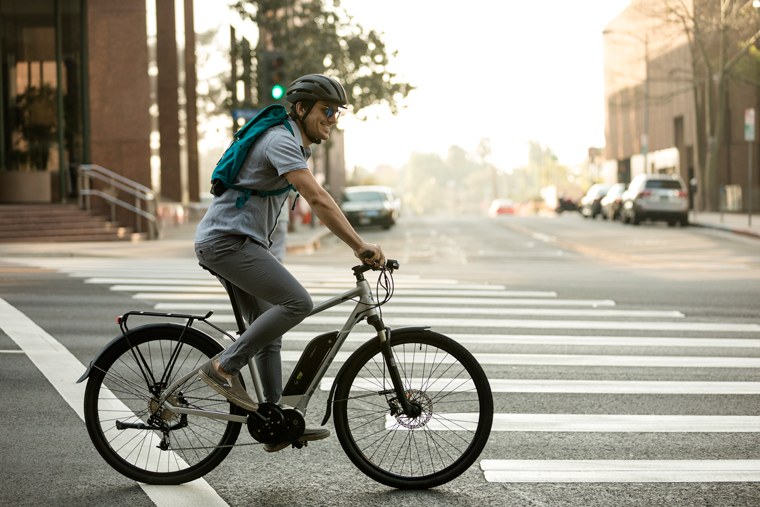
330 111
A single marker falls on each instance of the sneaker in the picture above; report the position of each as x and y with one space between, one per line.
230 388
309 435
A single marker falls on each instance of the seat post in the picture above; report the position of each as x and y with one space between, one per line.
235 307
233 299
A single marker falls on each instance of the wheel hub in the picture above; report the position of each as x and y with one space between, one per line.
418 399
160 413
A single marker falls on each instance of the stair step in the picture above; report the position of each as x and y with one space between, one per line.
134 236
58 222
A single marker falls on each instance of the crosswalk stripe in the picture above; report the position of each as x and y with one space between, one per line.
146 291
532 324
572 386
621 470
397 301
453 310
584 360
203 283
584 423
530 339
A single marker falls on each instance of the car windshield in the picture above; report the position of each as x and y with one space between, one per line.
363 196
667 184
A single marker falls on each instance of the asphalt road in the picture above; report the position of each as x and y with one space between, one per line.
560 364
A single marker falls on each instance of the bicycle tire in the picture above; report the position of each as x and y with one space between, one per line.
427 451
118 391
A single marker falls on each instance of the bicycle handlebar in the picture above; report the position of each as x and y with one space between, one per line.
390 264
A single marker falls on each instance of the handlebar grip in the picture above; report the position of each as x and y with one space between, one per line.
367 254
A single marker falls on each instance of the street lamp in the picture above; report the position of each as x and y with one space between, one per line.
645 134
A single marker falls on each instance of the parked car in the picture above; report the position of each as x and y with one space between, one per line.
501 207
655 197
370 205
591 204
612 201
565 204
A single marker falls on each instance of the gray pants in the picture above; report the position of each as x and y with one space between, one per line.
271 299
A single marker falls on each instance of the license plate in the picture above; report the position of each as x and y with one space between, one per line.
371 213
364 221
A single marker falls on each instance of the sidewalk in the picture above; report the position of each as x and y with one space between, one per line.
731 222
177 241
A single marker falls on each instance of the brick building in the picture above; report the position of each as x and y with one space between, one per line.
650 120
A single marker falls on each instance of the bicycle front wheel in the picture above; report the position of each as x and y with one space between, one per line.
449 386
128 428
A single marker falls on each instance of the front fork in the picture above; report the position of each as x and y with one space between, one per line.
411 410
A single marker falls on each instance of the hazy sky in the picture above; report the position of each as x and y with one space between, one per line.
507 70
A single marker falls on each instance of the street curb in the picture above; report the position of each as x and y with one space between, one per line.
308 246
728 228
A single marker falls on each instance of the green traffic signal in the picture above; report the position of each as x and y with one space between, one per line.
277 92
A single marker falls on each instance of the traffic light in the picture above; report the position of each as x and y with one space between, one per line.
272 77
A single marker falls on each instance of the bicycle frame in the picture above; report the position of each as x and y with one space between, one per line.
365 308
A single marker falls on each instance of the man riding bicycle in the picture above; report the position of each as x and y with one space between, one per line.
235 243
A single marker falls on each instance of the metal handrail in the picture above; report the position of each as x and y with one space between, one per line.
88 172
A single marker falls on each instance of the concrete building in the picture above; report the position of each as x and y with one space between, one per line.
650 120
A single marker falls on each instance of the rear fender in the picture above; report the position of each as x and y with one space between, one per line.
119 338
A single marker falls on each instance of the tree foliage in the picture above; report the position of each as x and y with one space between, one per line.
323 39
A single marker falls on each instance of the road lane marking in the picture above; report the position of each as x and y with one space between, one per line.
570 386
62 370
531 324
580 360
322 282
530 339
12 352
169 292
452 310
596 423
401 300
621 470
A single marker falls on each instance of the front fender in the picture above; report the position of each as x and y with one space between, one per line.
119 338
370 343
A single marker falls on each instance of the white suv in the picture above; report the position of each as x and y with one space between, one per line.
656 197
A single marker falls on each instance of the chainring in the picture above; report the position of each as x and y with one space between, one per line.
280 425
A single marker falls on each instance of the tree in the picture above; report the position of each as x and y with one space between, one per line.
720 34
318 39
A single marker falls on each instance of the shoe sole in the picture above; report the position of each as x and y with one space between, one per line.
221 390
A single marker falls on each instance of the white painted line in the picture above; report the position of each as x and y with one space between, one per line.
454 310
169 292
621 471
62 370
12 352
573 386
604 341
583 423
585 360
531 324
209 281
400 300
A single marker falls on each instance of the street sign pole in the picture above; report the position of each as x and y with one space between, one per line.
749 136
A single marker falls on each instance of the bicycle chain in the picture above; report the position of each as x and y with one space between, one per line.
212 446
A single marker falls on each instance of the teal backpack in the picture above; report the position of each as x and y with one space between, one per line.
228 166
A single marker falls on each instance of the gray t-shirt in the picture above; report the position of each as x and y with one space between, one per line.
274 154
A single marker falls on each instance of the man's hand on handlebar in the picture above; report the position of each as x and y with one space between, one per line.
371 254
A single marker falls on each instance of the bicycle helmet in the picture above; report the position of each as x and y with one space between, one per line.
316 87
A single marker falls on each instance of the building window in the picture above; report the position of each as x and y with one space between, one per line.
40 84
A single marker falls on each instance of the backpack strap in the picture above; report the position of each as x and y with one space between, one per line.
246 193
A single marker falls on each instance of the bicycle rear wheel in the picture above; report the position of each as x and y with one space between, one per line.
449 385
122 392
